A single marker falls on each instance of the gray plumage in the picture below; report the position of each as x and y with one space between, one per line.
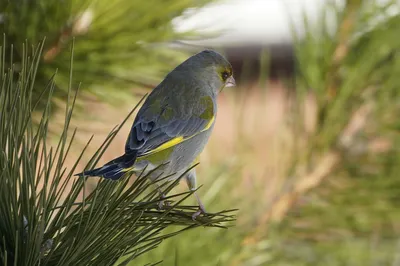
176 120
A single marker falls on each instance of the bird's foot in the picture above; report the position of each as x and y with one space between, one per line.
201 210
163 203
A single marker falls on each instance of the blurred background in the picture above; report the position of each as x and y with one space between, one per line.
307 144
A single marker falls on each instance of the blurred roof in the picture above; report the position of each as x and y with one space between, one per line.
262 22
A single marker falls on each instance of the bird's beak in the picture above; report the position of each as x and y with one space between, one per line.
230 82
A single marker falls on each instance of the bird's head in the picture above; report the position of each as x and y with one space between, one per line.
210 68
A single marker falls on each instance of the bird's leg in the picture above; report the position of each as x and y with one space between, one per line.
191 181
201 210
162 203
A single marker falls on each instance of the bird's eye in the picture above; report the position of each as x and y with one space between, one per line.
225 75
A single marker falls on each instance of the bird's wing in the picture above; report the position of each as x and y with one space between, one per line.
158 127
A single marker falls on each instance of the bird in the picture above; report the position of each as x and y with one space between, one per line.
174 124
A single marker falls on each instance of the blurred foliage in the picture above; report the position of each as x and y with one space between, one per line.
119 45
47 217
352 218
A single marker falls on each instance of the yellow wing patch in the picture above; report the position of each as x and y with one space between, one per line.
166 145
207 127
177 140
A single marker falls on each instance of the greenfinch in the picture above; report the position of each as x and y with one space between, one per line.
174 123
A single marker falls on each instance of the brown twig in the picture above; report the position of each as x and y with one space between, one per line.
78 26
345 31
57 46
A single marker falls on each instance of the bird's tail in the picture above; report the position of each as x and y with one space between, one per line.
114 169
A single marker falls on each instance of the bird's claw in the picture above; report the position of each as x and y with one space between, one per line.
163 203
160 205
199 212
